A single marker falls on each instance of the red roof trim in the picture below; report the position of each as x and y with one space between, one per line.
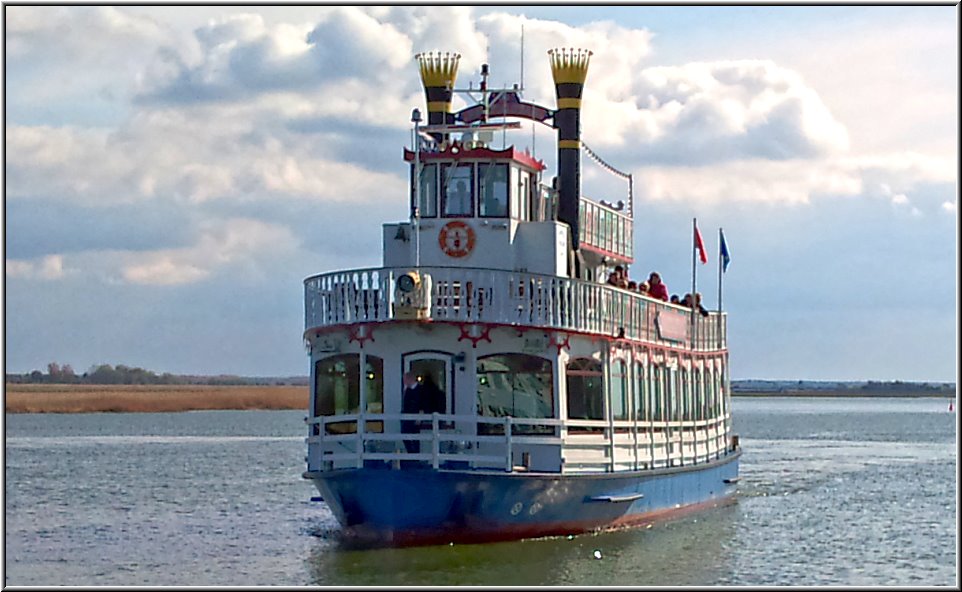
455 151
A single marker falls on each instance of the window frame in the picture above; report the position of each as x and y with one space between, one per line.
443 188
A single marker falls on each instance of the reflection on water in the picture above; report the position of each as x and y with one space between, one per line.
833 492
629 557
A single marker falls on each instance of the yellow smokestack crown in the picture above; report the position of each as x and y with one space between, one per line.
438 69
569 65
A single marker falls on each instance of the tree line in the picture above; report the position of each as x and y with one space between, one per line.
121 374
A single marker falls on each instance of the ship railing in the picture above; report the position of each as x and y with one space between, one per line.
447 441
594 446
515 298
605 228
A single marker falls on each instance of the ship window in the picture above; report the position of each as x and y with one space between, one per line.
619 391
428 206
374 374
671 391
458 181
493 190
516 385
641 404
337 389
657 393
524 196
585 391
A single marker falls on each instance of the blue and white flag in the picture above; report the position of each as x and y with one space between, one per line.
726 258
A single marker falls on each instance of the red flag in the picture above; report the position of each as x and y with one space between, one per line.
700 245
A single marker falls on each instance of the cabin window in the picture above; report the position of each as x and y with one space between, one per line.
585 390
337 389
658 393
428 192
457 196
671 391
641 392
524 196
686 391
619 391
374 375
535 208
493 190
515 385
701 398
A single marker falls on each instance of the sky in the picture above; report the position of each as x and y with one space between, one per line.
173 173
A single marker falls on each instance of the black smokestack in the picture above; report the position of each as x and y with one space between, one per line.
569 67
438 72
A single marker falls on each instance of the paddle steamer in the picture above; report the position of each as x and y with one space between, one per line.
564 404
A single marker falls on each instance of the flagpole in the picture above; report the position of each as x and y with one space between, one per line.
694 268
719 287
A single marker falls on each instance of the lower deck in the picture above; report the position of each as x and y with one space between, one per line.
512 400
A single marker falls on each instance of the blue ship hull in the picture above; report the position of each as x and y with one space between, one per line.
424 506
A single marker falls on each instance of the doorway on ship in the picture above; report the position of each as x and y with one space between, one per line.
433 372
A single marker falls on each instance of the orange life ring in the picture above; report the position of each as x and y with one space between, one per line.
456 239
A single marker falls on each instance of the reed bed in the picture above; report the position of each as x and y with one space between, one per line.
63 398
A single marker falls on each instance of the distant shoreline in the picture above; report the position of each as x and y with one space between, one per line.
836 394
59 398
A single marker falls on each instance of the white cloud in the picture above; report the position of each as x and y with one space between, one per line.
950 207
49 267
252 110
188 156
791 182
237 242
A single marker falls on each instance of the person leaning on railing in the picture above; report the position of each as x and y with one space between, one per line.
618 278
657 288
701 309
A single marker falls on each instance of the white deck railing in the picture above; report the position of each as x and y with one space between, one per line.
453 442
512 298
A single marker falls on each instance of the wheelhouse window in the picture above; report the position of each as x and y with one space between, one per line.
457 195
428 191
493 190
586 395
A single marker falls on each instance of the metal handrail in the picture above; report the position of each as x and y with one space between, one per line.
590 452
514 298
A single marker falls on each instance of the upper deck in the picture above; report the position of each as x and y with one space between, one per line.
511 298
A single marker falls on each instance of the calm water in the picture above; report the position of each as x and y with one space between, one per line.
843 492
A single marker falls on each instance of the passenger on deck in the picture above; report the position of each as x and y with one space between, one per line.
643 288
618 278
432 397
701 309
686 301
657 289
633 286
675 299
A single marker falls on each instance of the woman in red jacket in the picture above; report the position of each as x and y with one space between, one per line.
657 289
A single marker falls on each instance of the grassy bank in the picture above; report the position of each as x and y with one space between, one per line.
61 398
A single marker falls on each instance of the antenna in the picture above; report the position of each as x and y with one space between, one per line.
522 56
